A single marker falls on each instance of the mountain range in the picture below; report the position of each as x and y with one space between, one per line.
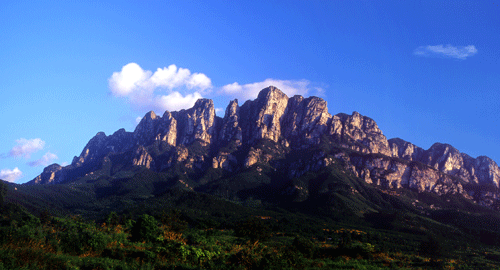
274 148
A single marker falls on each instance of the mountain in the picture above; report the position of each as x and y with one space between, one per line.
278 148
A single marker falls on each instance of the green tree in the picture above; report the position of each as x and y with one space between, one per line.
145 229
253 228
433 247
3 192
113 219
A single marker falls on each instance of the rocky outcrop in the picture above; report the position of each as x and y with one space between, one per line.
394 173
445 158
360 133
231 129
261 118
306 120
265 130
197 123
405 150
142 158
51 174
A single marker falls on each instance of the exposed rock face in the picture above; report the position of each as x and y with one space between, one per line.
362 133
405 150
306 120
50 174
143 158
197 123
261 118
445 158
231 129
394 173
265 130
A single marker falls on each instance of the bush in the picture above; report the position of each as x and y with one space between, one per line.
145 229
304 246
252 228
76 237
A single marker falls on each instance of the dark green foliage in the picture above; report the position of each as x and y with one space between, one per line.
162 220
304 246
433 247
78 237
173 220
253 228
113 219
145 229
3 192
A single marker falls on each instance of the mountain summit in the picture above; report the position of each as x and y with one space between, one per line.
290 136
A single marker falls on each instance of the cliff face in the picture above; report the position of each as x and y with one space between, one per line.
265 131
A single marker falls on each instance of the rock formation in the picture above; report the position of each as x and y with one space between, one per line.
265 131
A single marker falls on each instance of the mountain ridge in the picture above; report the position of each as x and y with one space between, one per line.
267 129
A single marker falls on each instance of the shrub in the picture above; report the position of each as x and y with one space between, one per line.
304 246
145 229
252 228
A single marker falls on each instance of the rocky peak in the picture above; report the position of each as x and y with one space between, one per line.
162 143
197 123
305 120
91 150
120 133
230 124
49 175
145 131
167 130
405 150
362 130
263 115
443 157
487 171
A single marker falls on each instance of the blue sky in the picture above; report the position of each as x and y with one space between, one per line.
426 71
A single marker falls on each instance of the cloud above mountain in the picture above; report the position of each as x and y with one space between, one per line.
251 90
448 51
168 88
44 161
173 88
26 147
11 175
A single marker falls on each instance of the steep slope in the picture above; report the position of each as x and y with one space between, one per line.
290 137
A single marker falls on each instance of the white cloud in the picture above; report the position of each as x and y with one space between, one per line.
11 175
173 88
172 77
175 101
44 161
147 90
251 90
25 148
219 111
458 52
131 78
138 119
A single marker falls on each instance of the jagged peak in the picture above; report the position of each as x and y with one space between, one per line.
203 102
52 167
121 131
270 91
397 141
442 146
150 115
297 98
97 138
232 108
486 159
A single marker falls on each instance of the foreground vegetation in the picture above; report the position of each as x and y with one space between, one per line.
141 219
168 241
